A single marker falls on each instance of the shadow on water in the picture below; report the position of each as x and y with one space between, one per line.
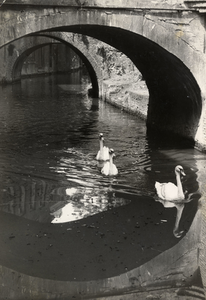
60 218
158 140
51 251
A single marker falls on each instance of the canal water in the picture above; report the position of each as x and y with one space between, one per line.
60 218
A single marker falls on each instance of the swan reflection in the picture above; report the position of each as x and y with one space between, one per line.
180 207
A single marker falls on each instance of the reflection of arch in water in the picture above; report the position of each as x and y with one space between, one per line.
28 200
51 242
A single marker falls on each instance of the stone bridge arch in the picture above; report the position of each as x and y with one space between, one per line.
89 57
16 63
159 52
21 50
175 102
177 29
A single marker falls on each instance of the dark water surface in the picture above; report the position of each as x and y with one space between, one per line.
60 218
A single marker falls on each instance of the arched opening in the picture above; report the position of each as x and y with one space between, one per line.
86 61
16 72
175 99
18 65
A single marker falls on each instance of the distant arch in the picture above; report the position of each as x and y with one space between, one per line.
15 63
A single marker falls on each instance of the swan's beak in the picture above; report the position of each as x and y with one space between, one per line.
183 173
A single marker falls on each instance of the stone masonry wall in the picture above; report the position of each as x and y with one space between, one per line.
127 98
123 85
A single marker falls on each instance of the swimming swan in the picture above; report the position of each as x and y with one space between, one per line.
109 167
169 191
103 153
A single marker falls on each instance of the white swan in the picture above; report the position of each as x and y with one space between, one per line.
169 191
103 153
109 167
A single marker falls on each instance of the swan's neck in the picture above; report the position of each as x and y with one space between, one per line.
101 145
179 186
110 160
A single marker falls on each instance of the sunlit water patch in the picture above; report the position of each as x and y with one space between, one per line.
81 203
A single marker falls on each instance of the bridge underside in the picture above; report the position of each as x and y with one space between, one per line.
175 102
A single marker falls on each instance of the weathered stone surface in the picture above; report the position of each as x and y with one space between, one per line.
164 41
124 95
102 3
